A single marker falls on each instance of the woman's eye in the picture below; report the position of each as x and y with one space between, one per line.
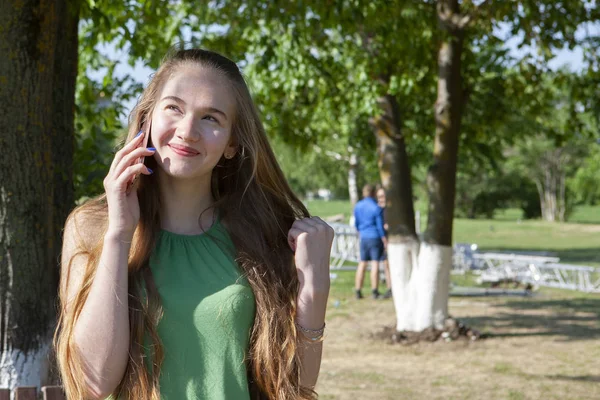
211 118
173 107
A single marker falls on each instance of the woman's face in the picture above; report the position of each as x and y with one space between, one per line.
381 198
191 122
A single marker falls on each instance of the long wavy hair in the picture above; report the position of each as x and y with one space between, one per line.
257 207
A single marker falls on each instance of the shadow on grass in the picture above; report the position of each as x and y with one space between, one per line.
578 378
587 305
555 318
579 256
567 256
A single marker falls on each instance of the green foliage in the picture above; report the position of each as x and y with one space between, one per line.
316 168
482 190
98 114
545 136
144 30
313 64
479 195
586 181
311 170
317 69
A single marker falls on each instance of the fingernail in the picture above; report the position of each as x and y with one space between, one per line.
151 149
139 133
150 170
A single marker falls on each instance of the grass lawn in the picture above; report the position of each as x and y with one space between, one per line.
542 347
577 243
586 215
328 208
546 346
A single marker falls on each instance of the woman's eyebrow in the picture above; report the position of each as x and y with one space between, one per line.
181 101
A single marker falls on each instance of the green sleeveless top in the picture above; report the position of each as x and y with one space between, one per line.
209 310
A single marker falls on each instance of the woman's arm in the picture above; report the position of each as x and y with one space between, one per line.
311 239
101 332
310 315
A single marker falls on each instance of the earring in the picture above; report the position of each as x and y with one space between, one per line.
229 156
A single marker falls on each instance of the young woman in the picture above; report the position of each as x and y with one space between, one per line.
207 279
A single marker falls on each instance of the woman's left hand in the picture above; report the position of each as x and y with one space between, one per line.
311 240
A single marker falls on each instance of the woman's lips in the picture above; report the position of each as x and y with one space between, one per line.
183 152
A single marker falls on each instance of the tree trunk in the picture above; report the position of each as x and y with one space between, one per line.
550 181
562 200
403 243
421 270
435 258
352 186
540 188
424 304
394 169
38 69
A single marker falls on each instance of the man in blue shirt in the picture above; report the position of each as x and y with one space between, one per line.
368 218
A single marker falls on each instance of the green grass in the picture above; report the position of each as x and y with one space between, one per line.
573 243
509 214
329 208
586 215
466 280
577 243
343 285
505 368
515 395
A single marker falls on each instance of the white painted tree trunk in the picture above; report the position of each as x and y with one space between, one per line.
352 187
403 260
25 369
420 284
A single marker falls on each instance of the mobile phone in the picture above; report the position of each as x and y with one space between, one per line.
146 129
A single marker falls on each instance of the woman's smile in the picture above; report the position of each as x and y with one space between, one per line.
183 150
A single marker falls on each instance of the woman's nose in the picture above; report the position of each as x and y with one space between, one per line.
188 129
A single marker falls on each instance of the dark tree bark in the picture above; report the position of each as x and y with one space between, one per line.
394 169
38 69
441 178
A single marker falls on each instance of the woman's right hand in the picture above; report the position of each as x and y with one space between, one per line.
123 207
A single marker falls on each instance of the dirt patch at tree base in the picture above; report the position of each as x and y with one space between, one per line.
453 330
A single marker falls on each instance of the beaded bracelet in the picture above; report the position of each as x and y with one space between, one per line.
318 332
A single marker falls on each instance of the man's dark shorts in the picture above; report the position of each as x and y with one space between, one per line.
371 249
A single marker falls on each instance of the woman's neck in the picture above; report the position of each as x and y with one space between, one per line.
183 203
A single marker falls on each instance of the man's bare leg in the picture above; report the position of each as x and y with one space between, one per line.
374 276
360 276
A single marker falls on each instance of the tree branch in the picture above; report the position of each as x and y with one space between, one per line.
485 5
450 16
456 21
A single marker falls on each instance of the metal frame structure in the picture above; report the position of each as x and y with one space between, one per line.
491 267
345 245
566 276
